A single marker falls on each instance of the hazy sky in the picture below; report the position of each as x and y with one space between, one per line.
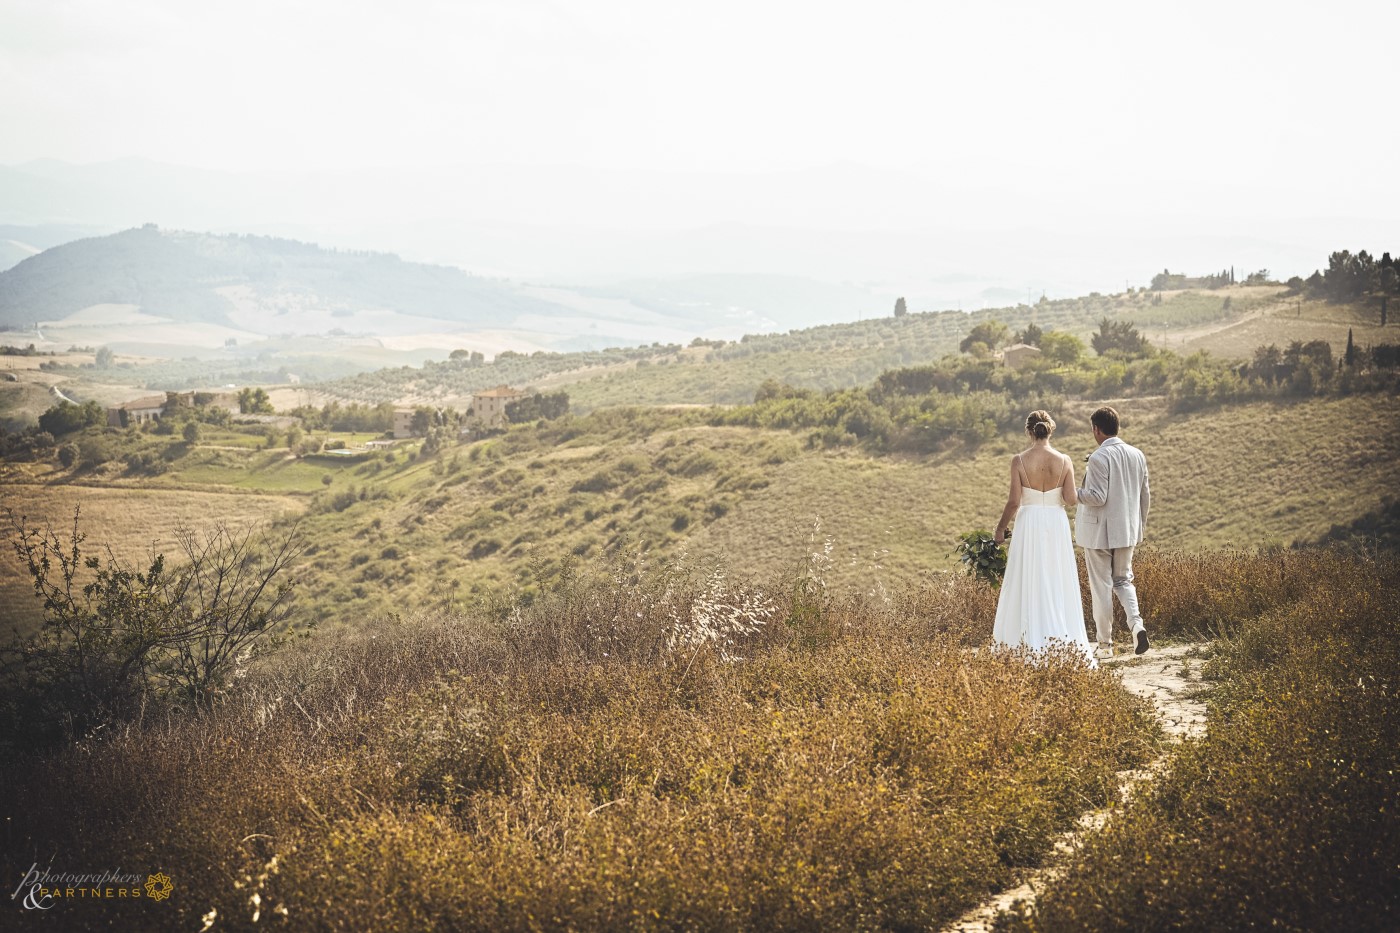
1083 87
1203 111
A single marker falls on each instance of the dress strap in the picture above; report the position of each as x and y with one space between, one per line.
1021 468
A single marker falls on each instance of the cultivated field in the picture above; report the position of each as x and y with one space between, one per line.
1289 319
131 521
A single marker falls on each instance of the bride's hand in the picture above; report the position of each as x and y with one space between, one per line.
1000 536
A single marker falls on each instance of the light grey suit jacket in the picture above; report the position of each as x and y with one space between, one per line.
1114 499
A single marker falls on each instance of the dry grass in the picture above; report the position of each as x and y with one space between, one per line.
561 767
666 747
1287 814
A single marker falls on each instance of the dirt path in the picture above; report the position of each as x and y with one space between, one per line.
1170 679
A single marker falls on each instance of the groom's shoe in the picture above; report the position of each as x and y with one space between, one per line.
1140 641
1104 653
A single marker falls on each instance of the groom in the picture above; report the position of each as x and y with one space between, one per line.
1112 512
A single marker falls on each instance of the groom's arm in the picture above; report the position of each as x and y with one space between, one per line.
1144 497
1095 488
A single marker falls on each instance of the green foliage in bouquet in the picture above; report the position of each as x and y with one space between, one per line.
981 556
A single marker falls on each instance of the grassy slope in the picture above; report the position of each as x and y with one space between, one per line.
1289 319
1254 475
852 354
21 403
1249 476
394 535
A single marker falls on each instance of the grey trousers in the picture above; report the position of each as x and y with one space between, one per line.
1111 574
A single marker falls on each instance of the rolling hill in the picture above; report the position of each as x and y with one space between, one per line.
245 282
836 356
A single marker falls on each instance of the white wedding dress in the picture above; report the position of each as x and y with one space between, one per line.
1040 605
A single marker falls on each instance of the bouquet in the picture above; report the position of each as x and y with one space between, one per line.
981 556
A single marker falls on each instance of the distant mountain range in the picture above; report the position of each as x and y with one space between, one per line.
148 288
202 278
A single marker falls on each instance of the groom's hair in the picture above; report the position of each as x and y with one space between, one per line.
1106 420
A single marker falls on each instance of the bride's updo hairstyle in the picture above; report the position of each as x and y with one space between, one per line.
1039 424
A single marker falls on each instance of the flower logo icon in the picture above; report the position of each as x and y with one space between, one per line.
158 886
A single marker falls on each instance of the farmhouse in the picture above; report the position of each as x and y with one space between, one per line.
489 407
1016 356
136 411
155 407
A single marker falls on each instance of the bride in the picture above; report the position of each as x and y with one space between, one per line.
1040 604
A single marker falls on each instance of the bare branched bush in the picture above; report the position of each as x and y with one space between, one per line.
114 638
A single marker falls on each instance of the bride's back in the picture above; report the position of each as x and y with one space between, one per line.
1043 467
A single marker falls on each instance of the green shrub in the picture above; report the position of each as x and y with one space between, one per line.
484 548
66 417
95 450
